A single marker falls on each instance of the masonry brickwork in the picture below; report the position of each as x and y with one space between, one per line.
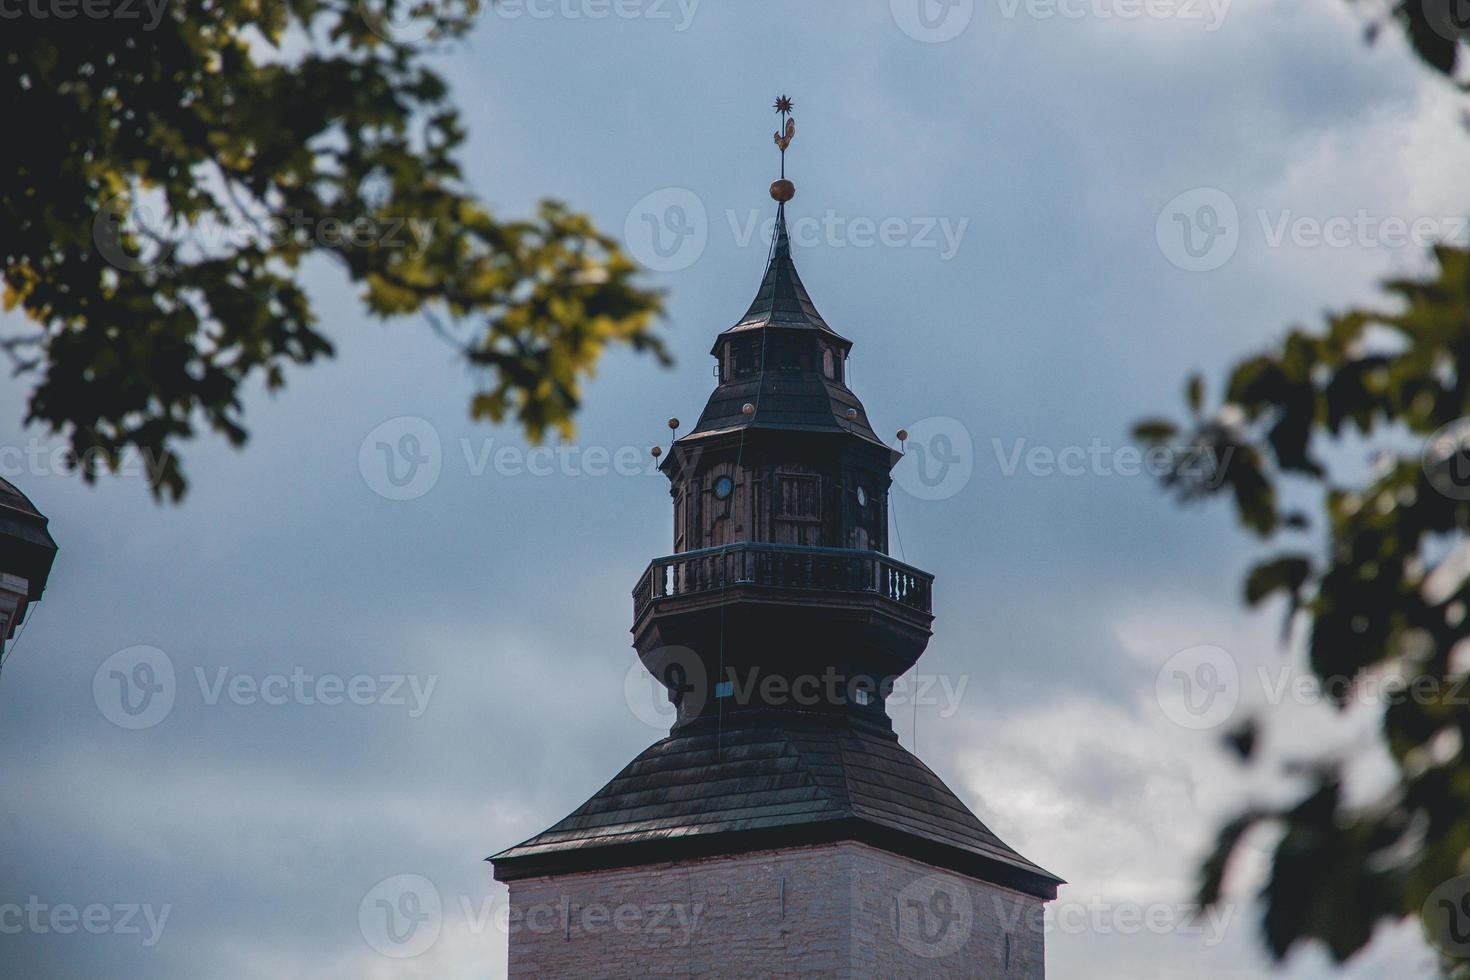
836 910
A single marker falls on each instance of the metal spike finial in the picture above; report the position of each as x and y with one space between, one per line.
784 190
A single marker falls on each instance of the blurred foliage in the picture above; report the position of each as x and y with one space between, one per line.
1376 605
1384 600
164 182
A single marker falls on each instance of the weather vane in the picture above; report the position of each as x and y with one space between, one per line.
784 190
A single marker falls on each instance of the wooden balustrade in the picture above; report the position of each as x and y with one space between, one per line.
783 567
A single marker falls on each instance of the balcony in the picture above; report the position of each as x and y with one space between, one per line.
789 568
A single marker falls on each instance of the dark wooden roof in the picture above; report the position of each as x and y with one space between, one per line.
802 404
780 784
782 300
26 545
803 401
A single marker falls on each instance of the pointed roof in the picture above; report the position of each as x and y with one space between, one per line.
782 300
776 785
805 402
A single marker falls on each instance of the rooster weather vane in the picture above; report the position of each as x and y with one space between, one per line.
783 190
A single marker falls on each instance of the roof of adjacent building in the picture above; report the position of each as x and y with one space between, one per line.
26 546
780 784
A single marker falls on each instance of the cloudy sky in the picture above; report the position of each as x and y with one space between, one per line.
1078 207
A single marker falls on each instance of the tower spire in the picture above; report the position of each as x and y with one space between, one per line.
777 629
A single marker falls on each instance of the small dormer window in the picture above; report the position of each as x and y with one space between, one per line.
790 356
829 363
862 497
745 356
724 486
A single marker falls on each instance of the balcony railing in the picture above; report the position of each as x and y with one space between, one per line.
783 567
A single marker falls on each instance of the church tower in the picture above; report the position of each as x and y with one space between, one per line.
780 829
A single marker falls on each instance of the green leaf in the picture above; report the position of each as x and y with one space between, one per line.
1194 393
1283 573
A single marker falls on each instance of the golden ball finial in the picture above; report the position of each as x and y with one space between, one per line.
657 452
673 423
782 190
852 414
903 435
747 409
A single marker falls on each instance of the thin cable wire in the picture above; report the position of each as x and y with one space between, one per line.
897 534
6 655
760 384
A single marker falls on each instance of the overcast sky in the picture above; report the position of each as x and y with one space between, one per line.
989 205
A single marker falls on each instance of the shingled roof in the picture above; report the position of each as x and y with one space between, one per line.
782 784
782 300
25 542
801 402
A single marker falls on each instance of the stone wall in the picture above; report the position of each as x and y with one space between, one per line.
836 910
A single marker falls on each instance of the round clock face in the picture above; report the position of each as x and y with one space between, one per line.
724 486
862 496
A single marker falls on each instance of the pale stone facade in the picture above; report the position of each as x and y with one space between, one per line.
835 910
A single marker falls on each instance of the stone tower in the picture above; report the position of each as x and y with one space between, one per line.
780 829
